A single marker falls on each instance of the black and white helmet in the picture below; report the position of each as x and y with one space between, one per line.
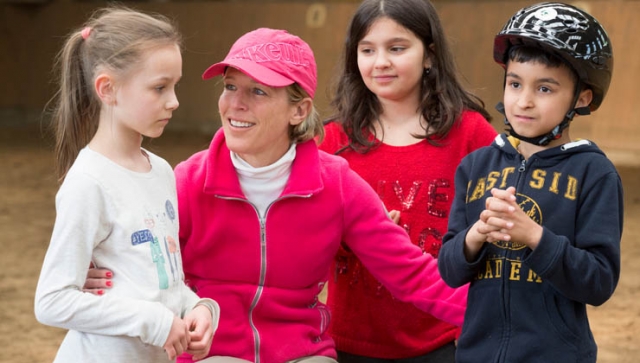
568 32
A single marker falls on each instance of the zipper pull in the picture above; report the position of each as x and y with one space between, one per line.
522 168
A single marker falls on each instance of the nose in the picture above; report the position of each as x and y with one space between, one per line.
173 103
236 100
382 60
525 99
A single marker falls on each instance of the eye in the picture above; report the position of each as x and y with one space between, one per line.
545 89
159 88
259 92
514 84
365 50
229 87
397 49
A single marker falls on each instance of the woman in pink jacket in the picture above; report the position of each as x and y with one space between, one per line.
263 212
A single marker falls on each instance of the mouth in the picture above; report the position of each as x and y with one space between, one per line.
523 118
240 124
384 78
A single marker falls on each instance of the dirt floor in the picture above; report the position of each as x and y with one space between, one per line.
27 191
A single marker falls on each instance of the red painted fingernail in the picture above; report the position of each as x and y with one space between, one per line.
109 274
109 283
100 292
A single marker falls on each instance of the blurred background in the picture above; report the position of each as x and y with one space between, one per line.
32 32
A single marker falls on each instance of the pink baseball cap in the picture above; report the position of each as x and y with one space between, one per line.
272 57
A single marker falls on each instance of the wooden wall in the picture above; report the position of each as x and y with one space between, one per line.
32 32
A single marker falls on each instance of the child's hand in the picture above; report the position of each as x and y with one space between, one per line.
178 339
97 280
199 321
395 216
492 225
497 215
509 221
474 239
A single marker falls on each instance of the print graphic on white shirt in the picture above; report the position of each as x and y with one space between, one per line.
160 224
168 221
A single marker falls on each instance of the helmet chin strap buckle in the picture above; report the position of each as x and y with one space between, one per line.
582 111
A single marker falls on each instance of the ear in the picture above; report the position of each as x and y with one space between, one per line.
302 110
427 57
105 88
585 97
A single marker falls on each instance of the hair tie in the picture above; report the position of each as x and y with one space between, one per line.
85 32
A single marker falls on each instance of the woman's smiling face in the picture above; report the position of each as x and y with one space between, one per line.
255 118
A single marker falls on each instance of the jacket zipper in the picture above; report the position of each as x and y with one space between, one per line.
263 264
502 355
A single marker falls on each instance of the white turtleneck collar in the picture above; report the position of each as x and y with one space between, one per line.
263 185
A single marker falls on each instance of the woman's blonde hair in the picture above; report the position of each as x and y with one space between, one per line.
312 126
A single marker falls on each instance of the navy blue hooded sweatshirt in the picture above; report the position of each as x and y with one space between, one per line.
530 305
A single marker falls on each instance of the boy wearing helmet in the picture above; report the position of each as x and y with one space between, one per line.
536 222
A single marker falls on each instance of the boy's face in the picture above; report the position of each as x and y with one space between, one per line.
537 97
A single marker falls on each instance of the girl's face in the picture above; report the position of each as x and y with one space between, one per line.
145 100
537 97
255 118
391 60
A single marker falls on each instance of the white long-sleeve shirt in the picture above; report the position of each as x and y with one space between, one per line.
126 221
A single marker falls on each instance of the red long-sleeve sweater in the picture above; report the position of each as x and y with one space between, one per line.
416 180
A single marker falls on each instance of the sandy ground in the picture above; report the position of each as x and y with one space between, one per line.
27 191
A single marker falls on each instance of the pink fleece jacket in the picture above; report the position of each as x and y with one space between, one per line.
266 274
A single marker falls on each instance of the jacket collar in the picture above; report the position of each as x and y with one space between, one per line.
221 177
509 145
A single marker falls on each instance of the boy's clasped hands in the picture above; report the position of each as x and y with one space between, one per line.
502 220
